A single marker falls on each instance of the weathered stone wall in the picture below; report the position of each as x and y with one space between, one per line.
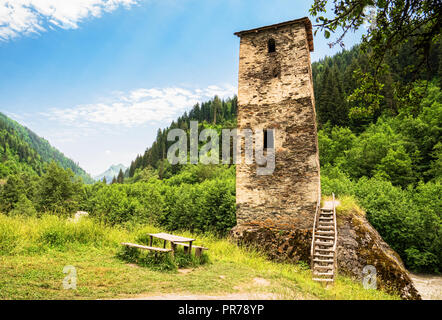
276 92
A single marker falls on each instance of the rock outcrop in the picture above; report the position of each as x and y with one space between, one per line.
78 216
359 245
280 244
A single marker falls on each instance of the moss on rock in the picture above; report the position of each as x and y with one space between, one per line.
285 243
359 245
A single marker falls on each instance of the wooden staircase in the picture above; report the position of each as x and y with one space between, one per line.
323 250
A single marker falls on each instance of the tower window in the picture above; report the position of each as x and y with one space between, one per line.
269 139
271 45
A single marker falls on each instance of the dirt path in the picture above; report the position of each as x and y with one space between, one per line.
233 296
429 286
257 282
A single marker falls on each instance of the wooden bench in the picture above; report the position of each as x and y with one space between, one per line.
133 245
198 249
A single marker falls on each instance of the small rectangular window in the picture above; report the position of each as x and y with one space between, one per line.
271 45
269 139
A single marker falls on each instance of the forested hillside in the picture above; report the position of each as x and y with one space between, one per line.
22 151
215 111
338 81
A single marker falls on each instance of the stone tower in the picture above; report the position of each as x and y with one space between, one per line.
276 92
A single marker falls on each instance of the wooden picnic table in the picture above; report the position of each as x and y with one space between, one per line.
172 239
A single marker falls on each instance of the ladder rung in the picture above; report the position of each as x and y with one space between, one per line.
324 245
323 267
323 279
324 237
323 274
323 261
324 232
316 266
324 255
328 242
326 250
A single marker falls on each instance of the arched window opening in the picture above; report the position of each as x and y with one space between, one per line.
271 45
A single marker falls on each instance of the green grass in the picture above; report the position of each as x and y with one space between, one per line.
34 251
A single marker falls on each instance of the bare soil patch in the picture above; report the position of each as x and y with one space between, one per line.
429 286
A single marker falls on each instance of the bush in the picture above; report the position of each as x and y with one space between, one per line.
161 261
334 180
10 235
24 207
408 220
205 204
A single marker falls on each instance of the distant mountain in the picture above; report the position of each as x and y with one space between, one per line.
21 150
111 173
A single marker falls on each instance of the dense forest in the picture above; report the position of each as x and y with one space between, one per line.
387 155
22 151
383 151
213 112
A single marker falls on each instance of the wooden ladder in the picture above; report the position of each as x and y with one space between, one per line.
324 241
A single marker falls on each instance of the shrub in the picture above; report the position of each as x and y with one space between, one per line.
334 180
161 261
24 207
198 206
10 235
408 220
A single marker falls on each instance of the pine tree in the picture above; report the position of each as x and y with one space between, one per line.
332 105
104 180
114 180
120 178
216 107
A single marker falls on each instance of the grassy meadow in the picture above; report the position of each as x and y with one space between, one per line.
34 251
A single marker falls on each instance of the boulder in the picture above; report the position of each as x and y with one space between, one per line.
360 245
280 244
78 215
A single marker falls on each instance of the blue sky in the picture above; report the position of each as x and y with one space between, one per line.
97 78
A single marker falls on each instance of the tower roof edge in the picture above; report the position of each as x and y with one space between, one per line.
305 20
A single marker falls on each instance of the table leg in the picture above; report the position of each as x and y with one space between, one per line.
173 246
190 247
164 246
151 241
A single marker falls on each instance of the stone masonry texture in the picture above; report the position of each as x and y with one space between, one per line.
276 92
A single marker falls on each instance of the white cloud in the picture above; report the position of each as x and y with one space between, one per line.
139 106
23 17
